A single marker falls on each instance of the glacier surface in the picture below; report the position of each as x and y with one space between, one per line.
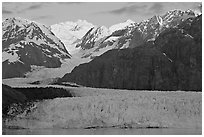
114 108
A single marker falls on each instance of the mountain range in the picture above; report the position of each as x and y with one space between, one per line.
173 61
153 54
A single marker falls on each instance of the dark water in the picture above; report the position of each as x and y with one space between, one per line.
103 131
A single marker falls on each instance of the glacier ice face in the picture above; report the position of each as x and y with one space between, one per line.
115 109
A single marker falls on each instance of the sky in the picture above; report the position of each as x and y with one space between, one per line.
97 13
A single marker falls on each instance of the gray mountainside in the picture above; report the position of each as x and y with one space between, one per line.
173 61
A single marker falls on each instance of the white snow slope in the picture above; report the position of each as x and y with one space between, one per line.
115 109
70 33
121 26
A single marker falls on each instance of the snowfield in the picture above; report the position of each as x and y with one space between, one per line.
114 108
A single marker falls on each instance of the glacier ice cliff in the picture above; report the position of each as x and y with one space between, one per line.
132 109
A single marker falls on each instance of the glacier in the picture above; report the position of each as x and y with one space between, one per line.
101 108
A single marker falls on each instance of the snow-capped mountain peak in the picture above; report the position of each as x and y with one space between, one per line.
26 43
193 12
83 23
16 20
121 26
13 27
129 21
179 13
78 26
75 26
100 32
71 32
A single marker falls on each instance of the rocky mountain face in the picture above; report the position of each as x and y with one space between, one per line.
92 36
152 27
101 39
173 61
26 44
129 34
100 35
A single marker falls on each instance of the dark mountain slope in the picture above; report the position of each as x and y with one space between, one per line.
173 62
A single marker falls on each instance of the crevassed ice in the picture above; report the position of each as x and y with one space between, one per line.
116 109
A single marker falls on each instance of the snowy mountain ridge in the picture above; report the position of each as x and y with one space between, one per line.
130 34
26 43
85 41
17 25
121 26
